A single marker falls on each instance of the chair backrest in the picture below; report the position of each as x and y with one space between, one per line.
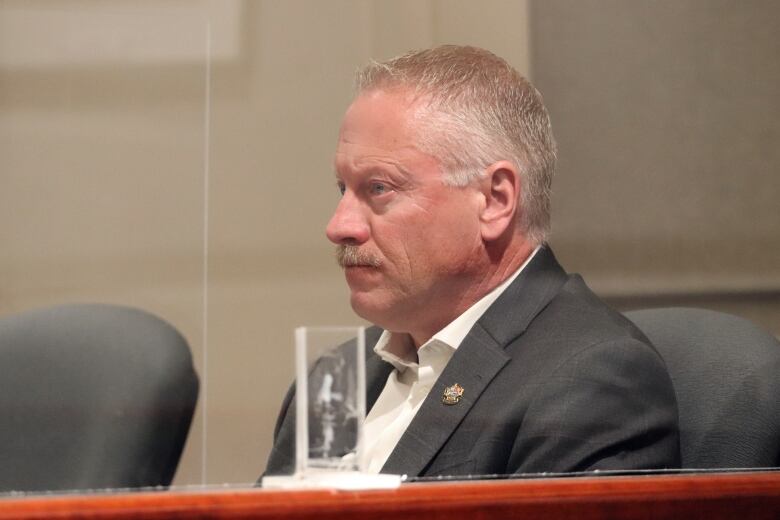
91 397
726 373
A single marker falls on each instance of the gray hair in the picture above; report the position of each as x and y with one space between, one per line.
477 110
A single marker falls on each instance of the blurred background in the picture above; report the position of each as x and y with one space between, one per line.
175 155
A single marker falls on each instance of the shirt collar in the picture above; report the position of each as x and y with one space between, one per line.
398 348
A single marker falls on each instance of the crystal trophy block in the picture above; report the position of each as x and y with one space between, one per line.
330 408
330 398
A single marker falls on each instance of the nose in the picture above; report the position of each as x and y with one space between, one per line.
348 225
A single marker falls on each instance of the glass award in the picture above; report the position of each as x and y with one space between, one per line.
330 409
330 406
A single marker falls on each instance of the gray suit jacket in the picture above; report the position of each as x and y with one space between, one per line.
555 381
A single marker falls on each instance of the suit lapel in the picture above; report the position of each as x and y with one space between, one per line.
473 366
475 363
377 371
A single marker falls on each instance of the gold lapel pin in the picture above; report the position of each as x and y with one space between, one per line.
452 394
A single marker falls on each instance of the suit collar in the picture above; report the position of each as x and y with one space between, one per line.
533 289
477 361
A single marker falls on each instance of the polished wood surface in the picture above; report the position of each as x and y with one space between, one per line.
714 496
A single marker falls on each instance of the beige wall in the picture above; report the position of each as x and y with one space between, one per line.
668 123
137 137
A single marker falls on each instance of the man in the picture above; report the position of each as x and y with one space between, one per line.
492 360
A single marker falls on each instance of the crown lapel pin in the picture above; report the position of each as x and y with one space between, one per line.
452 394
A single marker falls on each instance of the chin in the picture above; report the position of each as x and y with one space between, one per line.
372 309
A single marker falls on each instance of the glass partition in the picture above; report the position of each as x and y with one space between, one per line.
104 165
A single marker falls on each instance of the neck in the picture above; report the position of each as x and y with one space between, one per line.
496 267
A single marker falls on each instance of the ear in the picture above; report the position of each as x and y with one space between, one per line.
501 187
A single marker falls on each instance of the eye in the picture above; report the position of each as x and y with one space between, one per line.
341 187
378 188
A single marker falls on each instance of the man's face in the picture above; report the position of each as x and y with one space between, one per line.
409 243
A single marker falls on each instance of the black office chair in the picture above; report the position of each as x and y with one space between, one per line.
91 397
726 373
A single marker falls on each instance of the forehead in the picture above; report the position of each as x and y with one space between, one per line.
377 117
378 127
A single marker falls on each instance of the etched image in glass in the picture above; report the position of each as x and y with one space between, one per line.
330 398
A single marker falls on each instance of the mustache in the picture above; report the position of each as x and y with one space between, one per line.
348 256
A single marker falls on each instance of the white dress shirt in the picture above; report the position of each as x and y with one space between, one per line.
414 375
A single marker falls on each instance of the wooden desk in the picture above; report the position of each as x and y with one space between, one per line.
745 496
